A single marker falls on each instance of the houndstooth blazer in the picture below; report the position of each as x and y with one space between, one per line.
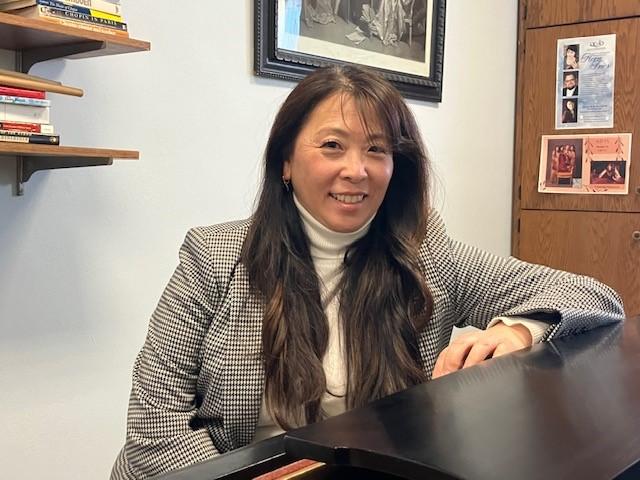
198 380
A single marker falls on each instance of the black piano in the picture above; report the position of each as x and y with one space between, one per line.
567 409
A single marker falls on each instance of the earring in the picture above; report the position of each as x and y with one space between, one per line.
286 183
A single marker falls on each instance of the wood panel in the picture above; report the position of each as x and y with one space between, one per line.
517 146
538 116
597 244
542 13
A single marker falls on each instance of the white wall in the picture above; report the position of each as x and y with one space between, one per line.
84 255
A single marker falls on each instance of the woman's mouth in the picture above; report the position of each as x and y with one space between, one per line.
348 198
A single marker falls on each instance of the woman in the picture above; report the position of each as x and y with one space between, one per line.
571 57
555 165
569 113
388 23
321 12
610 174
343 287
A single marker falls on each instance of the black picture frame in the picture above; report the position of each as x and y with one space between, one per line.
421 79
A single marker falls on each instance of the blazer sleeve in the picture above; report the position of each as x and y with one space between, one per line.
483 286
161 432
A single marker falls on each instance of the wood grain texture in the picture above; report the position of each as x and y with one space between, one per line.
538 118
597 244
544 13
32 150
23 81
19 33
517 147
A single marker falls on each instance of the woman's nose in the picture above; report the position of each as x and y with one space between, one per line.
354 167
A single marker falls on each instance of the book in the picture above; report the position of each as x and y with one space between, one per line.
98 5
65 5
52 10
25 101
114 8
86 26
21 92
42 128
23 137
23 113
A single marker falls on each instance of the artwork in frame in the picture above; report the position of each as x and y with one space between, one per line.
402 39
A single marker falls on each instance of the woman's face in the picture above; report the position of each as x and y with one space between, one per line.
571 55
570 105
339 173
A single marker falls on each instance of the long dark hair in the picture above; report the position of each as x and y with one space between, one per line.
384 302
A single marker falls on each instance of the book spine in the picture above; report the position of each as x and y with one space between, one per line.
67 6
42 128
21 92
45 10
23 113
86 26
30 138
99 5
35 102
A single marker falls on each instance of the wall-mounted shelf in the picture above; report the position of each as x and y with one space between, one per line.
34 41
32 158
38 40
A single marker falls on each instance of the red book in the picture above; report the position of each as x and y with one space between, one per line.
26 127
21 92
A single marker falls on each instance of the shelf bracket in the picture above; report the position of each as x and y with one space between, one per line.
28 165
28 58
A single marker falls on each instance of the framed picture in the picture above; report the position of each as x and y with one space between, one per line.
401 39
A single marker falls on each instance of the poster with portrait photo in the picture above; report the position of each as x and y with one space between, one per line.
585 74
586 164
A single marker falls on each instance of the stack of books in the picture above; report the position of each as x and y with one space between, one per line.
104 16
25 110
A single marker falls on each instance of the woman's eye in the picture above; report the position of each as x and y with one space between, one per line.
377 149
331 144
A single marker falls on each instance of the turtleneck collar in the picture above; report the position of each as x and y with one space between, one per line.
323 242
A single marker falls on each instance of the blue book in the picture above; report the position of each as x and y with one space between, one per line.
35 102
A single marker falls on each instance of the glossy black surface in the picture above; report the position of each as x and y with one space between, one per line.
247 462
567 409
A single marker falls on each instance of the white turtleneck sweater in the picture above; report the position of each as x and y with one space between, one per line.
327 252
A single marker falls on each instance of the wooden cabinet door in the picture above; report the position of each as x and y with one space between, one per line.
598 244
545 13
538 111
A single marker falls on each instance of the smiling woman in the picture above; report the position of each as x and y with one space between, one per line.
340 169
343 287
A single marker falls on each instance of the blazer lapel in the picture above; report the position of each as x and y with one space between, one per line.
243 376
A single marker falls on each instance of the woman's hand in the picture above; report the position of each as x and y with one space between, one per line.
472 348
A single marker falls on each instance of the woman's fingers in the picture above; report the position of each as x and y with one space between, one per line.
457 353
504 348
452 358
480 351
473 348
437 368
